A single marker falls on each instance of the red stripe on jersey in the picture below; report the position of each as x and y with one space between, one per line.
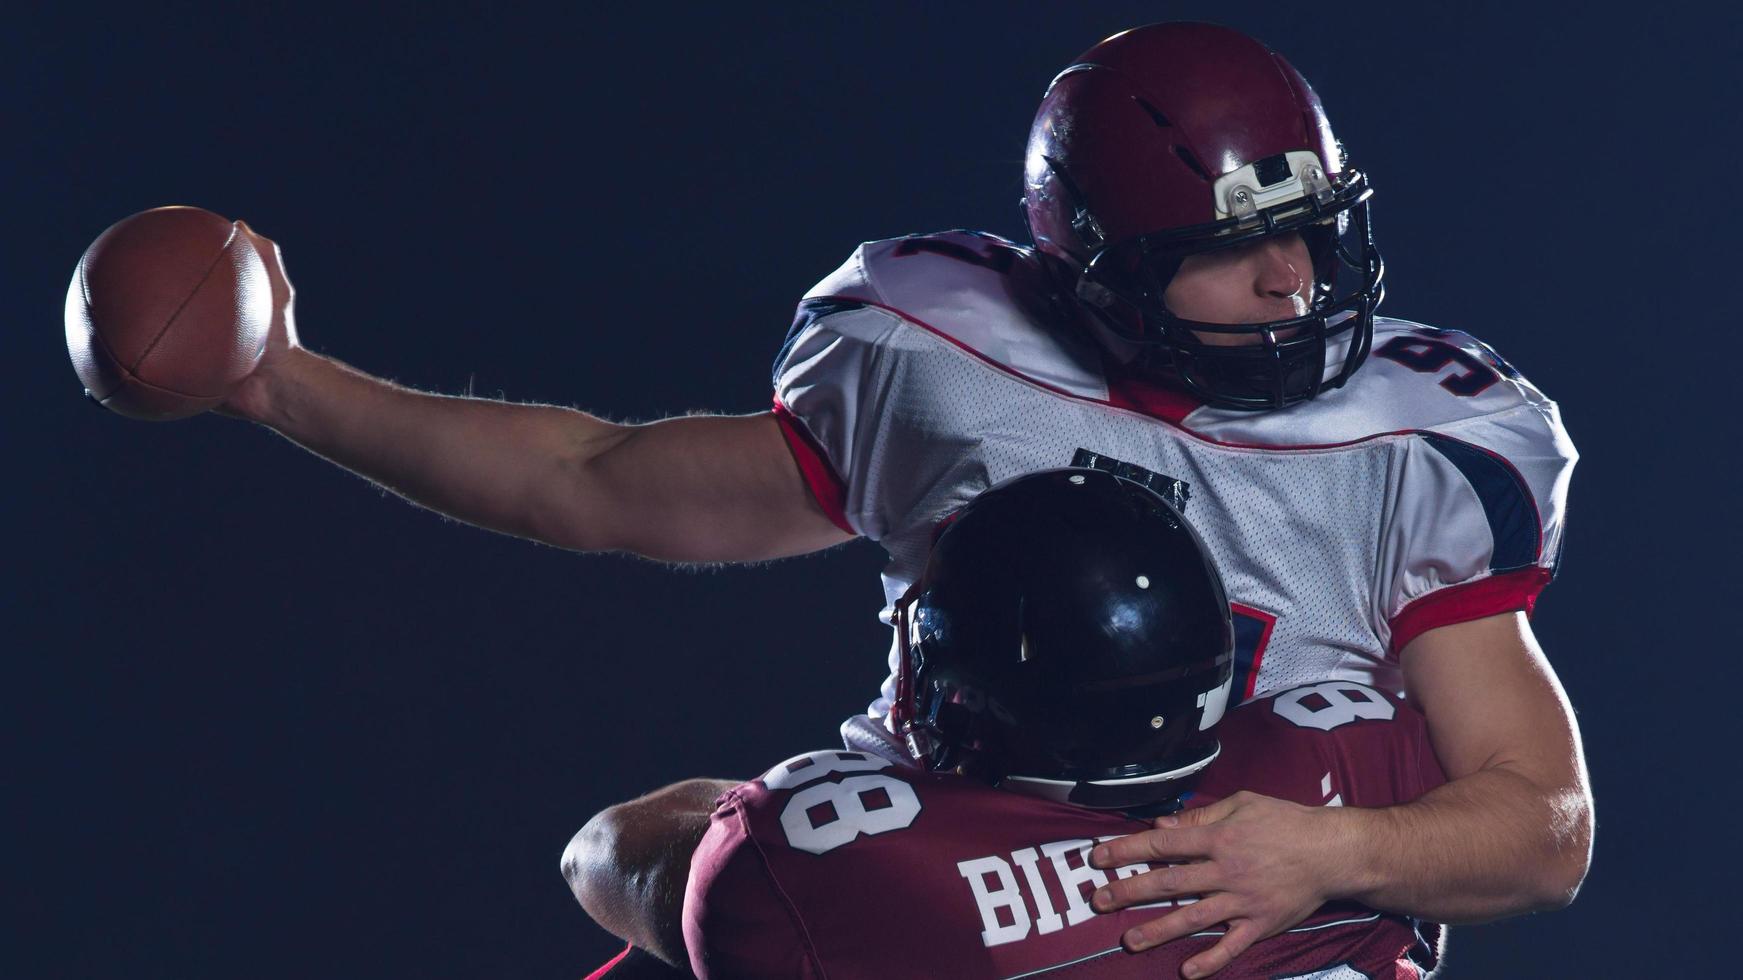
1514 591
826 485
1152 407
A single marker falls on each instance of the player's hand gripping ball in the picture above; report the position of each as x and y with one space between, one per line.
168 310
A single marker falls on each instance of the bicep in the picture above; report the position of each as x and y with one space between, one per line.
705 488
1492 699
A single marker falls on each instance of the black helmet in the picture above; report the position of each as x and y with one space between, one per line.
1069 638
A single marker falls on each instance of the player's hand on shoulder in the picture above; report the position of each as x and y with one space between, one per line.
1261 865
252 398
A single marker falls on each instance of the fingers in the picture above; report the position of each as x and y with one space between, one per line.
1185 921
1242 934
1203 815
1172 881
1177 837
1161 844
260 241
283 332
269 251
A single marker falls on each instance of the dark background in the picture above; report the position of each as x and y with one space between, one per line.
264 720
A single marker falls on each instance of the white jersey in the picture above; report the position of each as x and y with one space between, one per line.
1429 490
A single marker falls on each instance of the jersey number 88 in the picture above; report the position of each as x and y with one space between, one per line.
826 815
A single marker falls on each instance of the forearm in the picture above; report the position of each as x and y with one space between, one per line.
1483 847
476 460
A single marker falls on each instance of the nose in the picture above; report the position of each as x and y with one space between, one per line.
1276 276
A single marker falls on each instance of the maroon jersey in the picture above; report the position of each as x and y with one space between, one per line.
846 864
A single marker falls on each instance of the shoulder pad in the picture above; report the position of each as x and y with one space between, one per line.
981 292
1416 378
1329 705
812 766
1469 376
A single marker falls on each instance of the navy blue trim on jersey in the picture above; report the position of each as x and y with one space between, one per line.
1505 498
810 311
1249 630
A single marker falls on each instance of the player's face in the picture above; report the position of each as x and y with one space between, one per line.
1270 279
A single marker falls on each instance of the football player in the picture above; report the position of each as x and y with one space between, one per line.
1070 642
1197 312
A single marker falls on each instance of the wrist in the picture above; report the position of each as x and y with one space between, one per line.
277 387
1359 841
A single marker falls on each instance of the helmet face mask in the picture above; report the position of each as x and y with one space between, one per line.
1070 639
1253 366
1179 139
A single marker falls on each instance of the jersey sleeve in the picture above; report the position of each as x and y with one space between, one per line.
906 361
1475 526
834 379
737 922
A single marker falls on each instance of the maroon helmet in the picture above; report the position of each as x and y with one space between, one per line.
1174 139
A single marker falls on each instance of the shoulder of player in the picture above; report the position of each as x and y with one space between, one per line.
905 270
1296 717
1416 379
1448 376
984 294
1287 743
821 765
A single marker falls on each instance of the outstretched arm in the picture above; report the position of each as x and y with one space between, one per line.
692 488
1511 832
